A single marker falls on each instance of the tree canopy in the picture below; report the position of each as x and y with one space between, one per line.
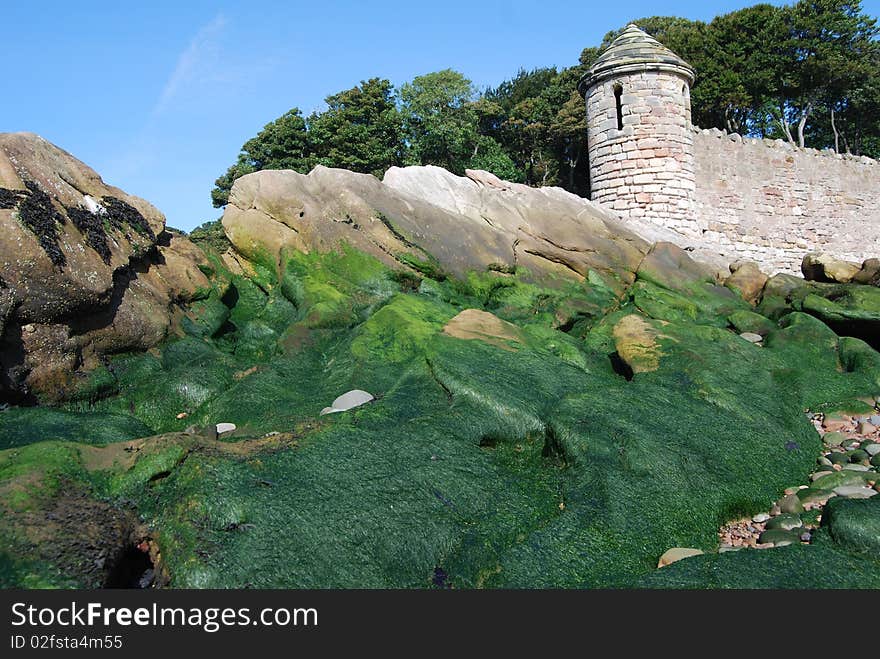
807 72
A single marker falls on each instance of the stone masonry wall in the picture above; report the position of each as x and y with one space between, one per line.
645 170
769 202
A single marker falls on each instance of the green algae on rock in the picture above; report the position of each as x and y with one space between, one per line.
543 423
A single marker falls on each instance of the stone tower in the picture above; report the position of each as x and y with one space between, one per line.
639 135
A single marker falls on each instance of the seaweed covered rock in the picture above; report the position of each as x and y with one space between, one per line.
849 309
86 269
552 402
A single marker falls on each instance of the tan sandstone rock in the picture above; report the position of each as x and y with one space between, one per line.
465 223
747 279
825 268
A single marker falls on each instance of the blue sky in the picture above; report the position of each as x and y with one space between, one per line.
159 96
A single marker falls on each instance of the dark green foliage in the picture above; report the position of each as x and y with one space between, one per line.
360 130
211 235
807 72
39 215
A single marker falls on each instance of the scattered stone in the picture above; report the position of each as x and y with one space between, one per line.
824 462
676 554
774 509
858 456
182 415
872 449
874 420
224 428
816 496
779 537
349 400
790 504
751 337
786 522
865 428
837 479
856 467
760 518
838 458
834 438
875 461
835 422
854 492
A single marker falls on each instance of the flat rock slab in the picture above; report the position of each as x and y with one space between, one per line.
483 326
751 337
223 428
676 554
854 492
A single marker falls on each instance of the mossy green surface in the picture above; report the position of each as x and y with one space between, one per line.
795 566
855 524
534 463
749 321
20 426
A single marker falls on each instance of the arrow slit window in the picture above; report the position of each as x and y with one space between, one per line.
618 93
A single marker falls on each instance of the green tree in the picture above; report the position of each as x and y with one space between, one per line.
440 121
829 50
361 129
282 144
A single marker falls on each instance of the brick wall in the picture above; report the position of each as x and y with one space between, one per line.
771 203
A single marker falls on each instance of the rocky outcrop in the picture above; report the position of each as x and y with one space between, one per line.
86 270
747 279
421 217
826 268
869 273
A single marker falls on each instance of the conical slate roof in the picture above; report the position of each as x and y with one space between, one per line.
635 50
